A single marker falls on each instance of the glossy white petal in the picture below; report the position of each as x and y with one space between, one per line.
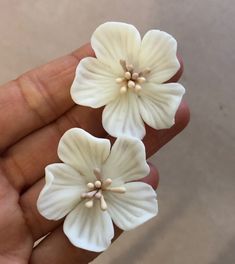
126 162
158 104
83 151
113 41
134 207
158 53
94 84
61 192
89 228
122 117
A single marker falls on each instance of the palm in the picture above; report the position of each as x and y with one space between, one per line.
35 111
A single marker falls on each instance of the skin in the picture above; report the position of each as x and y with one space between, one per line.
35 111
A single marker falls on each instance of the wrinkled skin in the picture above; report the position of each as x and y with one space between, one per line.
35 110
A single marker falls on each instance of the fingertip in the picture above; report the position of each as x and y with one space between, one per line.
179 73
155 139
182 117
88 49
180 58
153 177
84 51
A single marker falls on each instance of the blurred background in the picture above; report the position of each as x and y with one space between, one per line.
196 222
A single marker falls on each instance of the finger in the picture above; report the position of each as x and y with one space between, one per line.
37 97
40 226
24 163
49 250
155 139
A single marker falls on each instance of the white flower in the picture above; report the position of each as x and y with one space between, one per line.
93 187
127 77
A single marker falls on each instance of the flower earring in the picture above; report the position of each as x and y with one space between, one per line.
128 77
95 185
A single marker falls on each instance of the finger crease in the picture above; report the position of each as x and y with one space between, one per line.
13 170
29 85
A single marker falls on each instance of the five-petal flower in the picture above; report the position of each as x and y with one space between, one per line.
94 186
128 77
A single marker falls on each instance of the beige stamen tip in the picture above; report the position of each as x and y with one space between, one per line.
138 88
123 89
103 204
134 76
127 75
117 189
129 67
141 80
90 185
98 184
131 84
106 183
119 80
89 203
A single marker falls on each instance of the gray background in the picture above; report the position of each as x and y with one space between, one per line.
196 223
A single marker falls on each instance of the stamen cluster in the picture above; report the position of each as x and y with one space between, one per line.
96 189
131 80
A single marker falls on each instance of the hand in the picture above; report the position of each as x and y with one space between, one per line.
35 111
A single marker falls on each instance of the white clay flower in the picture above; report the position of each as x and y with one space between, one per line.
94 186
128 77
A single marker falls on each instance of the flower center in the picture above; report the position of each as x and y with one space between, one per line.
131 80
96 189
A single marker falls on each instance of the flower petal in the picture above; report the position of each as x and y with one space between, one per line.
83 151
126 162
61 192
133 208
122 117
158 104
94 84
158 53
114 41
89 228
